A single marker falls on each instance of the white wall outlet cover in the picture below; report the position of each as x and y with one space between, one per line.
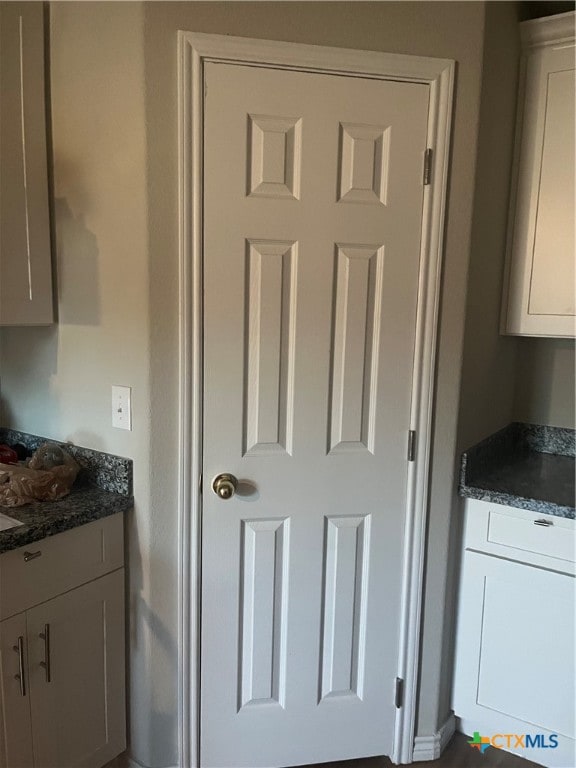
121 407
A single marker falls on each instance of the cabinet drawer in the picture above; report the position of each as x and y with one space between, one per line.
520 534
65 561
540 535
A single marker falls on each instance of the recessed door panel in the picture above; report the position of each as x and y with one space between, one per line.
346 568
274 156
364 157
355 347
270 317
264 571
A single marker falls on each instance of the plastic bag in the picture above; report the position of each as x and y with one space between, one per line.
48 477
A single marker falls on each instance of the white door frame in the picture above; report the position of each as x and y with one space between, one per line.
194 50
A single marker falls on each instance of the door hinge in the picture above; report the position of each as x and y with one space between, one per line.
412 445
399 697
427 166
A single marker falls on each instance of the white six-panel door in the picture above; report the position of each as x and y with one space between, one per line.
313 190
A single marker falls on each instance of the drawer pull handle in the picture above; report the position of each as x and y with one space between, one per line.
46 663
31 556
544 523
21 675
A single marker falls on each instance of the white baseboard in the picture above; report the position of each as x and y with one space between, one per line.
425 747
431 747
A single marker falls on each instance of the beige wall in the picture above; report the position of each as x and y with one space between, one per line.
545 385
489 364
115 129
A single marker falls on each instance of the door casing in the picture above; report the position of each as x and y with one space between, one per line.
194 50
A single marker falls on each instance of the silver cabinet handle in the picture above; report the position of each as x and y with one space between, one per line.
21 674
544 523
46 663
31 556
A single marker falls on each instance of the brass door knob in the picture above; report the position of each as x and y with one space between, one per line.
224 485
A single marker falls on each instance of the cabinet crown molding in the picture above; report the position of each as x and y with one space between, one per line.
549 30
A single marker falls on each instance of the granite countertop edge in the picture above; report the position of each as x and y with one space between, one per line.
510 500
43 519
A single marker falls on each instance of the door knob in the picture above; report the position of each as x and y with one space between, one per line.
224 485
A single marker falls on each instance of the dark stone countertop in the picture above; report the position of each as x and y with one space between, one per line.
46 518
103 487
523 465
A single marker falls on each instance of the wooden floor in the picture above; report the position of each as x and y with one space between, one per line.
458 754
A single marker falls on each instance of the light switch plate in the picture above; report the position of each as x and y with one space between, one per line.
121 407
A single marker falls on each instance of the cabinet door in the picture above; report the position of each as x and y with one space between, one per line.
78 707
515 654
25 260
542 296
16 733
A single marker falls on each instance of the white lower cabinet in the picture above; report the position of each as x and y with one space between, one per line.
514 678
62 688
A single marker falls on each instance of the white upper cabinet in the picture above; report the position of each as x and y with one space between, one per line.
25 258
540 294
